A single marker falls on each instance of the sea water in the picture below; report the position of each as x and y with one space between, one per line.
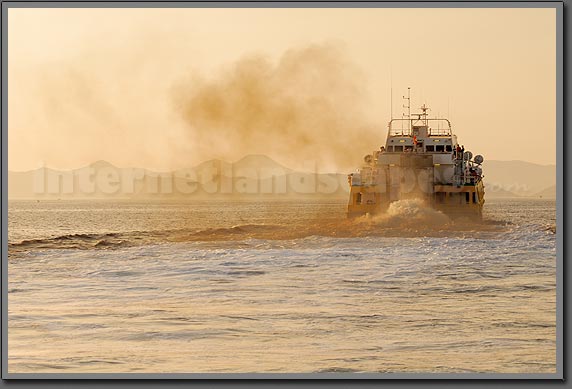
279 286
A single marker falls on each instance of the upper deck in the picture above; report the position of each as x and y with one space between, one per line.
408 127
418 133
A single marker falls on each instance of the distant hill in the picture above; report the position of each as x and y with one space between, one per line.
252 175
548 193
496 192
517 177
257 161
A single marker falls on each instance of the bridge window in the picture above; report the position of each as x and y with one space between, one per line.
398 149
430 148
439 148
448 148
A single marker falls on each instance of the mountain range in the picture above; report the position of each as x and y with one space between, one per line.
256 175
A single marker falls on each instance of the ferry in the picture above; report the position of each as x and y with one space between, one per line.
421 159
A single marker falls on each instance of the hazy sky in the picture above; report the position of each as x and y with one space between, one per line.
169 88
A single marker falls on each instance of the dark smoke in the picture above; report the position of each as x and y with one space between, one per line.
308 106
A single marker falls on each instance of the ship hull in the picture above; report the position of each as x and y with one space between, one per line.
465 201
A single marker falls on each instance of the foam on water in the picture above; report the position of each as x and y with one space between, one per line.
403 218
407 214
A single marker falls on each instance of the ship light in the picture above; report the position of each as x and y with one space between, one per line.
437 164
436 140
401 140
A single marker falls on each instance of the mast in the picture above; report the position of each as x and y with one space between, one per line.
408 106
424 109
391 92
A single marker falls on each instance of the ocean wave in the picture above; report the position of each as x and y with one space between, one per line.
229 232
69 241
405 219
340 230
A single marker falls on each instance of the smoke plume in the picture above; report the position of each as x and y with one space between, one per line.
145 101
307 107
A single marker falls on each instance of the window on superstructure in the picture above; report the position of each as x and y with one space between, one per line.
398 149
448 148
439 148
430 148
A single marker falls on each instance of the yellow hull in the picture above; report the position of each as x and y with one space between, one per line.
463 201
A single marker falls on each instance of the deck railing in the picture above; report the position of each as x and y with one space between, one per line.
403 127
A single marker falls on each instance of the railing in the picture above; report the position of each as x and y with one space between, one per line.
439 132
437 127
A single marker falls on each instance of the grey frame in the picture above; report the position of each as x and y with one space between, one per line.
558 5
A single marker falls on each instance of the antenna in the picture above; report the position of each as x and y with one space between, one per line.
391 91
424 114
408 106
448 115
